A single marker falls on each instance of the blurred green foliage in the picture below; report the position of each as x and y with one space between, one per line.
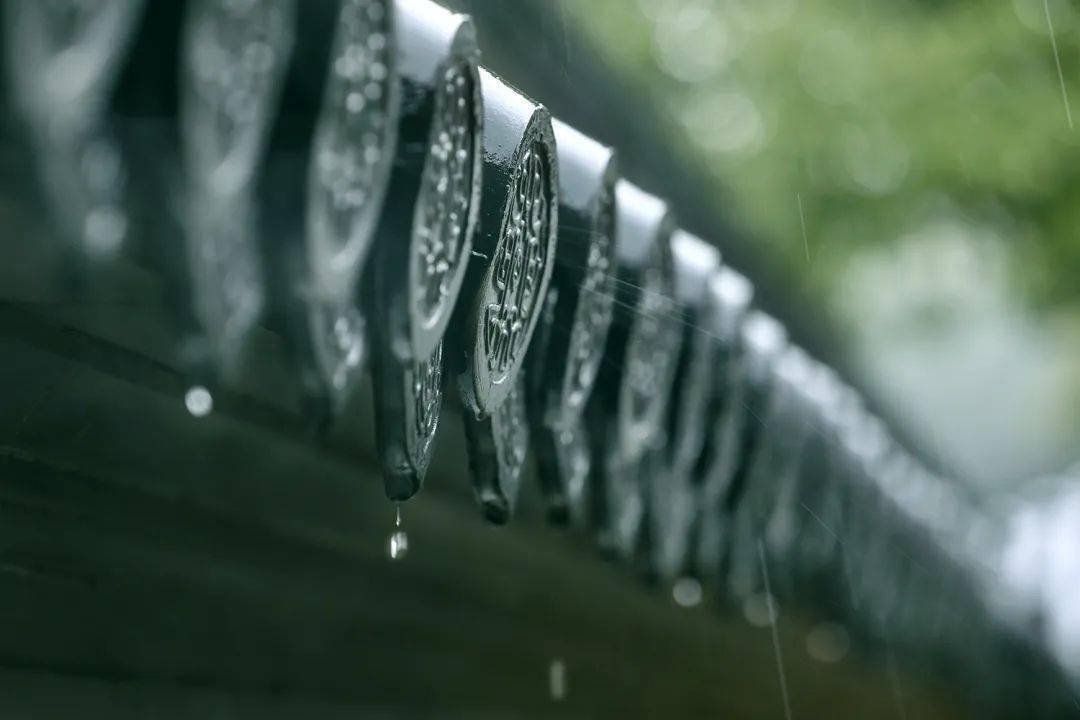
872 118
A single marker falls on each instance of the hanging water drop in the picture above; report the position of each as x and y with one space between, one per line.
398 544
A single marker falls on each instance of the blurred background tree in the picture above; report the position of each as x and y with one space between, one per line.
913 168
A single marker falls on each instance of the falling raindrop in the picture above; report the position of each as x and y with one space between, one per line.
687 592
199 401
398 544
557 679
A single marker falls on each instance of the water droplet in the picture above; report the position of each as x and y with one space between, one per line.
199 401
557 680
687 592
398 544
